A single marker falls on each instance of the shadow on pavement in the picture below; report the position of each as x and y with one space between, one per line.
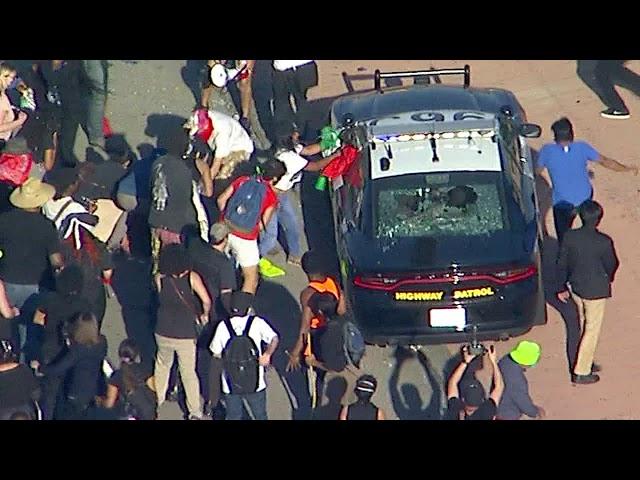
406 400
132 285
334 391
191 75
282 311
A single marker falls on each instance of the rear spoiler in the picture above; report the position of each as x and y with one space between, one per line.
378 75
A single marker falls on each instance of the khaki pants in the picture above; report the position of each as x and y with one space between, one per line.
186 350
591 315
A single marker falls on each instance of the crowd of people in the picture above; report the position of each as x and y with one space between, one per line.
210 203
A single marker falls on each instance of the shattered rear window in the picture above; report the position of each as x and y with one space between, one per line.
440 204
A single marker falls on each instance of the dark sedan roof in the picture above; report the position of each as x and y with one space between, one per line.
392 101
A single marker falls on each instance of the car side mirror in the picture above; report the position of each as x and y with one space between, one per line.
530 130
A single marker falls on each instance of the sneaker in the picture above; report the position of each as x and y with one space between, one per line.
585 379
595 367
293 260
194 417
270 270
173 395
613 113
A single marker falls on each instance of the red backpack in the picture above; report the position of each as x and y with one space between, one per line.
15 167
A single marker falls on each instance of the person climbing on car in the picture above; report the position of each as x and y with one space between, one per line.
563 165
247 206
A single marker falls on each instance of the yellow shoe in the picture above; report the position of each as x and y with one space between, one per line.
269 269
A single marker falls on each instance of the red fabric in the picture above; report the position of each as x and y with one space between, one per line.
244 74
205 125
15 168
106 127
270 200
341 163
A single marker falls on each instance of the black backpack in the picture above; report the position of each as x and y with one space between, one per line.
341 344
332 347
141 403
240 360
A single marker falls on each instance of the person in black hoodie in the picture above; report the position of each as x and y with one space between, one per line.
81 366
56 309
18 386
586 268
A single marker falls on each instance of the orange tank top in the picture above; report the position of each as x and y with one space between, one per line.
329 285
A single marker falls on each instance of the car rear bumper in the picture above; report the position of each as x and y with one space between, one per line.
510 314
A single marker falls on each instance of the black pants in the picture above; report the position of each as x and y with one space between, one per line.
72 118
51 389
295 83
563 215
602 75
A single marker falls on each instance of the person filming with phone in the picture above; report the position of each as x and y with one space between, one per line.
466 400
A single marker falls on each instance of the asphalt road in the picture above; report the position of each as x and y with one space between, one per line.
150 97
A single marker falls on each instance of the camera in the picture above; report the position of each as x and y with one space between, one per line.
476 349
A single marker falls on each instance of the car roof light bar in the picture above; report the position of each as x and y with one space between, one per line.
424 136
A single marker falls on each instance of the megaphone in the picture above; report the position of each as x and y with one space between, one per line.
219 75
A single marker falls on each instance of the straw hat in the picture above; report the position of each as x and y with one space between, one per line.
32 194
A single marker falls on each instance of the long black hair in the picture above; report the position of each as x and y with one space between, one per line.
129 354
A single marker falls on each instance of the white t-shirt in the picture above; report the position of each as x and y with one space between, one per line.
295 164
283 65
228 135
259 332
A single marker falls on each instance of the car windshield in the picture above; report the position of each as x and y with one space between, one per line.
460 204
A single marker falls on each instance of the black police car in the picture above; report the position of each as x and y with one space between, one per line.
436 222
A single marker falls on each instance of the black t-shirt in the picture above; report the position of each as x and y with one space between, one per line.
92 266
171 194
66 85
58 310
215 268
486 411
177 312
17 387
26 240
38 131
102 179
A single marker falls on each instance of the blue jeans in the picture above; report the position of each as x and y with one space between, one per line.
23 297
257 403
285 215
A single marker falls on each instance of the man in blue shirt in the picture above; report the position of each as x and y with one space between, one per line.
563 165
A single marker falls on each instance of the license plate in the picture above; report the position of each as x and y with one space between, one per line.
448 317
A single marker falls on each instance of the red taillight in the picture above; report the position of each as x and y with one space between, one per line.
515 275
389 283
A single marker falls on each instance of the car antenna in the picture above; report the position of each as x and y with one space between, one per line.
435 157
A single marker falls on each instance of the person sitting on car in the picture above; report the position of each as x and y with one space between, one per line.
469 402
